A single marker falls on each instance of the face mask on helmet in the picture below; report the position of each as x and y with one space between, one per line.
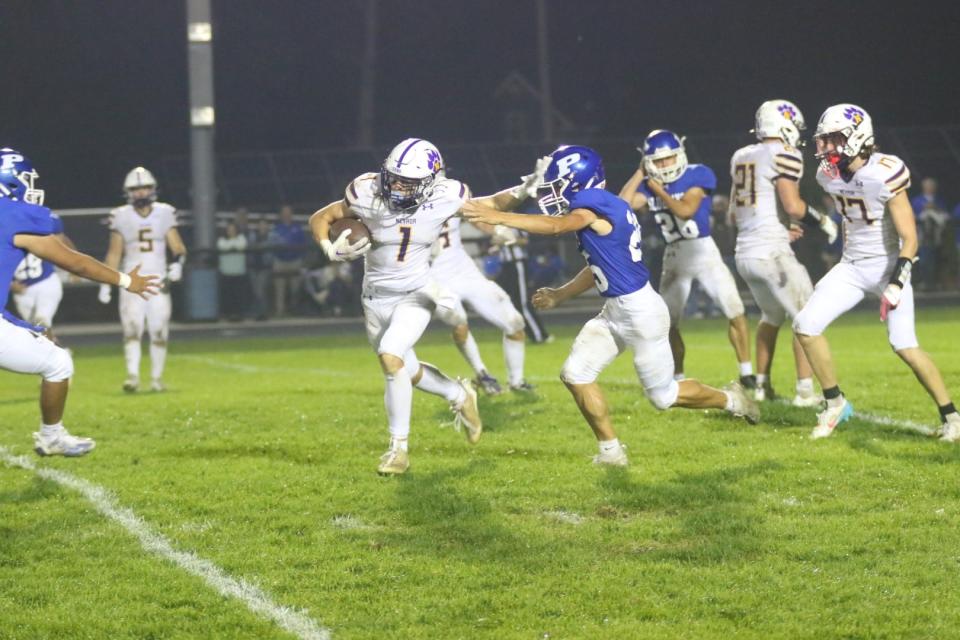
572 169
17 178
141 197
832 153
844 132
408 174
664 156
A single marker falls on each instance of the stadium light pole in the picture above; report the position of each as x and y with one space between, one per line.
368 75
202 282
543 60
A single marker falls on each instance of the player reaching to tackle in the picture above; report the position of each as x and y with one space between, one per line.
677 193
27 226
879 249
404 206
634 315
764 174
140 233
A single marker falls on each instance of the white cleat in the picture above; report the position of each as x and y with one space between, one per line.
394 463
615 458
810 399
468 414
830 418
157 385
951 429
62 444
743 405
131 384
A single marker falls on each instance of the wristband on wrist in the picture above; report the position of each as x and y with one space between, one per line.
901 272
124 281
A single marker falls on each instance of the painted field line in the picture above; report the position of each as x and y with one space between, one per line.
288 619
249 368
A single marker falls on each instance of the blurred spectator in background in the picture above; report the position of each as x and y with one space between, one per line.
232 262
332 289
259 267
513 278
932 220
548 269
289 247
242 219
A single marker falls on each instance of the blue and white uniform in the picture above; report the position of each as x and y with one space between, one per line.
22 348
39 302
691 253
634 316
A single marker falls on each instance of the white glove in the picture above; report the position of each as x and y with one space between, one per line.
533 181
104 294
174 272
342 250
504 235
829 227
889 300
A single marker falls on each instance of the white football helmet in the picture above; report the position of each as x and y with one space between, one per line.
409 172
780 119
140 178
843 132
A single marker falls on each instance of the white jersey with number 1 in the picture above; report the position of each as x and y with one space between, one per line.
400 257
144 237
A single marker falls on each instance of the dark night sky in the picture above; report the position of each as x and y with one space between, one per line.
95 87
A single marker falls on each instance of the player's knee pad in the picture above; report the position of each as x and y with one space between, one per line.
898 343
806 325
59 366
577 373
664 396
515 323
452 316
773 319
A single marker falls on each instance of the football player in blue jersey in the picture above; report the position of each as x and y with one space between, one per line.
677 193
28 227
37 290
634 316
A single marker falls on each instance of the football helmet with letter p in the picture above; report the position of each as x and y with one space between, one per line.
571 170
18 177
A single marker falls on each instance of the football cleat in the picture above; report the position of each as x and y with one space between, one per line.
522 387
764 392
157 385
62 444
810 399
748 382
394 462
743 405
488 384
131 384
951 429
468 414
616 458
830 418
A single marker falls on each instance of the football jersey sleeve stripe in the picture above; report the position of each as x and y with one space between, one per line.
784 168
895 177
790 158
788 176
895 189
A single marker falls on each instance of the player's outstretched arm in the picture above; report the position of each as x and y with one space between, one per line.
50 248
575 220
548 298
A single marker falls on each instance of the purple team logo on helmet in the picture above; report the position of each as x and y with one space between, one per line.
787 111
853 114
433 161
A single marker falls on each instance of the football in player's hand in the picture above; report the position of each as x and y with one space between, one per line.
357 229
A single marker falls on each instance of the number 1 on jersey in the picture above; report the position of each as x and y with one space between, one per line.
406 232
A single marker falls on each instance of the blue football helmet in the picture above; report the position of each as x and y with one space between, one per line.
659 145
17 177
572 169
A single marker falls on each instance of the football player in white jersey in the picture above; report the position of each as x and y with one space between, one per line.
879 249
140 233
455 270
764 174
678 195
404 207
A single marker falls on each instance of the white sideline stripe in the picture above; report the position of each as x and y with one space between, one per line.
253 597
249 368
873 418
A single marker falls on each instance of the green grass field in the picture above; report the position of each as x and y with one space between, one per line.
261 459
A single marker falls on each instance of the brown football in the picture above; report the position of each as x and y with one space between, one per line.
357 230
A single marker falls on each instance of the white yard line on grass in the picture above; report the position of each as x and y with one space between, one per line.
291 620
249 368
